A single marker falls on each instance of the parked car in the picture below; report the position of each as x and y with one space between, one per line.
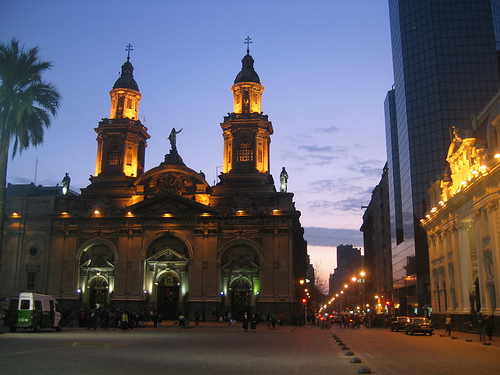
419 324
399 323
336 319
32 310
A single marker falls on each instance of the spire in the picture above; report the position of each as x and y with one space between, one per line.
247 73
126 80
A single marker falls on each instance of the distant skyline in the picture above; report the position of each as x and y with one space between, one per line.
326 67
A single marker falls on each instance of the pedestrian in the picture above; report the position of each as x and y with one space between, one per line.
181 320
154 318
253 323
268 321
124 321
196 318
159 320
92 320
245 322
447 323
480 323
489 325
273 320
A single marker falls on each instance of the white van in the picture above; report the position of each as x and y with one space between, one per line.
32 310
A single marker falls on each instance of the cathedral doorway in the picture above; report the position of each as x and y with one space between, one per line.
98 292
241 297
167 295
240 266
97 267
166 274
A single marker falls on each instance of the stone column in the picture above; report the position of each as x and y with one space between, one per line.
465 265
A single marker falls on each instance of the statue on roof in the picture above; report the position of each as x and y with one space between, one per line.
173 140
65 184
283 180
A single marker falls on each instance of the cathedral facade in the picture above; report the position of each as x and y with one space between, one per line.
463 224
164 238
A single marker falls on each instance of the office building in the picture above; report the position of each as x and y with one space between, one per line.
445 70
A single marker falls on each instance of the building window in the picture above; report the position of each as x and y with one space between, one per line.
31 281
244 152
114 155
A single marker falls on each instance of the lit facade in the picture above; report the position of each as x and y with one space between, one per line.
445 70
164 238
463 223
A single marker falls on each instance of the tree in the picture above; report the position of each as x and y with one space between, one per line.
26 106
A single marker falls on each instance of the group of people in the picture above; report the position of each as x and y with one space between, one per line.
250 322
486 326
110 318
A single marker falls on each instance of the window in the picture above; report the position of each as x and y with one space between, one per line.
31 281
25 304
114 155
244 152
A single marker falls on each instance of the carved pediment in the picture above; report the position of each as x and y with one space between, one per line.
175 179
168 203
168 255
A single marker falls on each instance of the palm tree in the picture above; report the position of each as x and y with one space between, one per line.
26 106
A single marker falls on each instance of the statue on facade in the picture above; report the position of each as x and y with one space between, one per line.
173 140
283 180
65 184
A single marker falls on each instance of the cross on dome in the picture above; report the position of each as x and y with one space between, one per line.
247 41
128 49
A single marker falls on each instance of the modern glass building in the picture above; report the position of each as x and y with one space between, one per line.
446 69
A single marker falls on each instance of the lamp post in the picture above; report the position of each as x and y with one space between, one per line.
363 274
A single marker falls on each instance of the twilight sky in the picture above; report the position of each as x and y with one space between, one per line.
326 67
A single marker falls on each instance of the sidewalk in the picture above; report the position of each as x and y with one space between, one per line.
467 336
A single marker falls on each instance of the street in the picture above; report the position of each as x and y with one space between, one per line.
215 348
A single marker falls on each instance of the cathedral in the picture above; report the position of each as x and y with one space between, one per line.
164 238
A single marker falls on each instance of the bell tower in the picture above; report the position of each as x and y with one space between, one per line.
247 132
121 138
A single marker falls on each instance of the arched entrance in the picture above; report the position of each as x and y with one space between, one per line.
166 274
167 295
240 266
97 267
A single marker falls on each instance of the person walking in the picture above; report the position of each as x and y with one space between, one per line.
480 323
124 321
273 320
245 322
447 323
253 323
489 325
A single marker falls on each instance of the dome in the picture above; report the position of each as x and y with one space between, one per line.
247 73
126 80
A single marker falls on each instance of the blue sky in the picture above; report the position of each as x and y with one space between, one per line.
326 67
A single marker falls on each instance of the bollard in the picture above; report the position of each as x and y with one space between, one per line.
347 353
355 360
364 370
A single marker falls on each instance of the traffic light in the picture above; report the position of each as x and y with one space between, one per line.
304 300
388 303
